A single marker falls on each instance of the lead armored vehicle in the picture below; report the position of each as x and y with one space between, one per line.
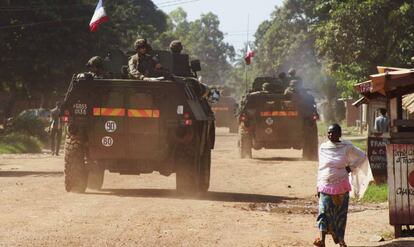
272 120
130 126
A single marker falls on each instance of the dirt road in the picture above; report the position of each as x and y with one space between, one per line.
266 201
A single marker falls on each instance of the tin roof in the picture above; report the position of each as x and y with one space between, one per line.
389 82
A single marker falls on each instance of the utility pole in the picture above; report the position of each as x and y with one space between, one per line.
247 47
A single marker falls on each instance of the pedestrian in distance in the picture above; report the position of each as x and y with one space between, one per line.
336 160
55 129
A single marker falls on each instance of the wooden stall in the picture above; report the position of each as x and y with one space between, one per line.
392 152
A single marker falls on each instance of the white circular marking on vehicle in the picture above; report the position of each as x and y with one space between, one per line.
268 131
269 121
110 126
107 141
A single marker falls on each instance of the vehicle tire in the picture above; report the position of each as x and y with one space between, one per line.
245 145
96 176
188 161
205 169
76 174
310 145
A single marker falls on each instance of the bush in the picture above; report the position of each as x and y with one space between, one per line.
19 143
27 125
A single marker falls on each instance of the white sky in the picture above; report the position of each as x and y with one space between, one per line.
233 15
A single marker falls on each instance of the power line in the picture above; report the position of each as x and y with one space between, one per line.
179 2
167 2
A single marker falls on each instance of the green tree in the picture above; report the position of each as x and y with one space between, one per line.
355 36
286 42
203 40
44 42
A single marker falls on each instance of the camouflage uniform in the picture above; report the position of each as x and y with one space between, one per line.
284 79
96 69
141 66
293 76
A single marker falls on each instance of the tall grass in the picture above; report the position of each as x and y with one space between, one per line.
376 193
19 143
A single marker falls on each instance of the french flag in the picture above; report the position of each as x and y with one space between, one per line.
249 55
99 16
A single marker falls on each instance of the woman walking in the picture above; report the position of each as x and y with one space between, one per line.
336 159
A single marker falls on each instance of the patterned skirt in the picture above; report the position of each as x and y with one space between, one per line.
333 211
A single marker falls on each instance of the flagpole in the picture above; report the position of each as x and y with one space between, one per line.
247 45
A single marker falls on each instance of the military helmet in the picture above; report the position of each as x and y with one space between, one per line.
176 46
282 75
95 61
140 43
292 72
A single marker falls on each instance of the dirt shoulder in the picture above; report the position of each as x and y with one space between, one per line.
266 201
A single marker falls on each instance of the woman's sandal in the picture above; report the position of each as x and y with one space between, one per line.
342 244
318 243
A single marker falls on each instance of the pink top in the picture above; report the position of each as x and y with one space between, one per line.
336 189
333 178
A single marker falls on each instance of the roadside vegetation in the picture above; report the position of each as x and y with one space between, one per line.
376 193
24 135
19 143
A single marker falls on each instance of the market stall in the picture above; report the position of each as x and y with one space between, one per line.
390 99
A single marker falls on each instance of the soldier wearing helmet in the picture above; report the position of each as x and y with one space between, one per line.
96 69
293 76
283 79
294 87
176 47
304 102
143 66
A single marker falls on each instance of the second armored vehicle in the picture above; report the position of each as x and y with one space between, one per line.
272 120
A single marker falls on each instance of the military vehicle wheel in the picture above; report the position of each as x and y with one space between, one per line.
96 176
188 160
310 145
245 145
76 174
205 170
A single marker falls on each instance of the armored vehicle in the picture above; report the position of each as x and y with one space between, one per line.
272 120
130 126
225 110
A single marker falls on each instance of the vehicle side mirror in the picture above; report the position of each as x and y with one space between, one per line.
195 65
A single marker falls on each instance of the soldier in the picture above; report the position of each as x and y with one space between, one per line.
267 87
143 66
301 98
176 47
294 87
284 79
292 75
96 69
